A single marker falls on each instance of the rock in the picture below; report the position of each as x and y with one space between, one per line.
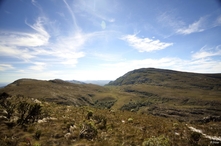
67 136
72 128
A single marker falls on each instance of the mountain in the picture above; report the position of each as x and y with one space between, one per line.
59 91
97 82
169 78
2 85
168 93
76 82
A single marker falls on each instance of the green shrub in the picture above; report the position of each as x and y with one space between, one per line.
157 141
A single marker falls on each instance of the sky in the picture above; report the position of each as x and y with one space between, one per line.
104 39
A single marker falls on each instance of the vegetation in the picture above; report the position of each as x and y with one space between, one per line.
70 125
147 107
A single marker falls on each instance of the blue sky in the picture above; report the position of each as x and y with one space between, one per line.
104 39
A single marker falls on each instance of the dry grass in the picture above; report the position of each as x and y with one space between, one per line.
121 128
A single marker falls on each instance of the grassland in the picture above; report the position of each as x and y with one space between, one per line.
65 125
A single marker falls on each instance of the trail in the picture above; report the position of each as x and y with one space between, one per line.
216 138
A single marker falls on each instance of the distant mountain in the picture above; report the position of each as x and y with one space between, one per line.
75 82
2 85
97 82
169 78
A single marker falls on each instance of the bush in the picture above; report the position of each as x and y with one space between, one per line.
28 113
88 131
89 115
100 121
157 141
194 138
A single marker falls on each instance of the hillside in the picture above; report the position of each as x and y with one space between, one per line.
167 93
170 78
59 91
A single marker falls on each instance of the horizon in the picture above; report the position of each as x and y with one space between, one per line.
103 40
93 81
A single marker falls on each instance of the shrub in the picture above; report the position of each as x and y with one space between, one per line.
88 132
89 114
28 113
100 121
194 138
157 141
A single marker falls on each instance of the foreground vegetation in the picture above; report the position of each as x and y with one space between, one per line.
53 124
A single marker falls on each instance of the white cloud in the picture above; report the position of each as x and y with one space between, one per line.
205 52
38 66
197 26
145 44
13 51
4 67
31 45
38 38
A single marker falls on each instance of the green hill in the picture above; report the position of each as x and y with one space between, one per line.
170 78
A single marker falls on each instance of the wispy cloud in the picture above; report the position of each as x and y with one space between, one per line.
145 44
197 26
72 15
30 45
97 10
38 66
4 67
207 52
169 19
